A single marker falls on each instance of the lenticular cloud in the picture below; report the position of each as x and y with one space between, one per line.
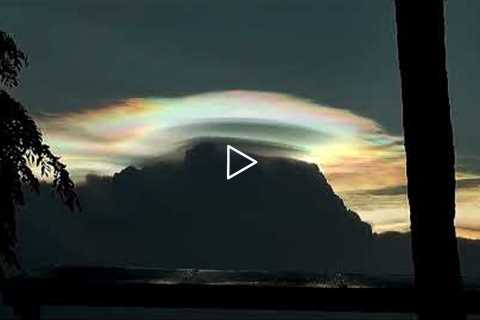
104 140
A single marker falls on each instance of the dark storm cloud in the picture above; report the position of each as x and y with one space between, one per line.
185 214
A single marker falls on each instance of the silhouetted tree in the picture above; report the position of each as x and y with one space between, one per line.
21 149
430 157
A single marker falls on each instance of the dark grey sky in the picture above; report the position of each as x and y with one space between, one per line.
337 52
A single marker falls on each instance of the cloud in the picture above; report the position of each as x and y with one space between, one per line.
281 215
467 183
177 48
390 191
363 162
150 127
185 214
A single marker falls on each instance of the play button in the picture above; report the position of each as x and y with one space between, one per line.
232 150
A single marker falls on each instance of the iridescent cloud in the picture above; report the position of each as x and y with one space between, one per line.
106 139
357 155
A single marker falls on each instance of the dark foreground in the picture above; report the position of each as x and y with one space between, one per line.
187 289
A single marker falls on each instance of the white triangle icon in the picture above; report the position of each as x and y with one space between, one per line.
252 162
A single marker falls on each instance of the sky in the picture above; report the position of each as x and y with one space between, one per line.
120 83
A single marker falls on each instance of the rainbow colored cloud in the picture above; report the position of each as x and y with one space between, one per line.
356 154
105 140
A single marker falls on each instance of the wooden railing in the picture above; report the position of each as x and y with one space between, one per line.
28 294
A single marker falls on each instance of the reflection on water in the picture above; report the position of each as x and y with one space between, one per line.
212 277
225 277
